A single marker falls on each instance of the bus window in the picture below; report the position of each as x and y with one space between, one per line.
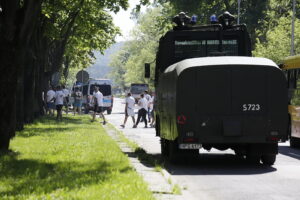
105 90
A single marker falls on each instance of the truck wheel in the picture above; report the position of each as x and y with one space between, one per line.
253 159
294 142
173 151
268 159
240 152
164 147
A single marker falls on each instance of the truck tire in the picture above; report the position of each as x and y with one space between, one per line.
240 153
294 142
164 147
253 159
268 159
173 151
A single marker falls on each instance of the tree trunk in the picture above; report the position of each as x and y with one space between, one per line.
29 91
16 27
20 101
8 77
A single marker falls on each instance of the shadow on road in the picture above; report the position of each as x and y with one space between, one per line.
288 151
217 164
204 164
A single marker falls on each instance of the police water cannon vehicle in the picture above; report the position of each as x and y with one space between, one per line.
212 94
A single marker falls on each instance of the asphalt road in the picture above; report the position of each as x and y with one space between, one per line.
219 175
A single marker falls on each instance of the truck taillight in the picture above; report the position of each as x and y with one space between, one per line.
181 119
273 139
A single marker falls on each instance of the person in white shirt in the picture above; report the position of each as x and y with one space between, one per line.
143 104
98 104
152 110
66 98
50 101
148 98
59 102
129 109
77 100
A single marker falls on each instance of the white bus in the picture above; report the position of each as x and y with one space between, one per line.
104 87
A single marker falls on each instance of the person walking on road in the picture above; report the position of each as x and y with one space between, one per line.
98 104
148 98
143 104
59 102
129 109
77 100
152 106
50 106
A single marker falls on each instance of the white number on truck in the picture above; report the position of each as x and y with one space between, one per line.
251 107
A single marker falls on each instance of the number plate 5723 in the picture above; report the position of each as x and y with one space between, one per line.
251 107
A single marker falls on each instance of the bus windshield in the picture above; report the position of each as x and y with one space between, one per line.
104 89
138 88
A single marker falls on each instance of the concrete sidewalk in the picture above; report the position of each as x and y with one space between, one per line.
160 183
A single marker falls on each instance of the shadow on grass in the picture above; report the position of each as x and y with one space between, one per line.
36 177
149 160
42 131
52 120
50 125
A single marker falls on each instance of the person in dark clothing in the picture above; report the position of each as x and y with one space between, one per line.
143 104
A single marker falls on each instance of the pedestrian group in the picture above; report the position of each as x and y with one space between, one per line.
57 99
145 108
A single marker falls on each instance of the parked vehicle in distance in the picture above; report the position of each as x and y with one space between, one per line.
138 88
105 87
291 67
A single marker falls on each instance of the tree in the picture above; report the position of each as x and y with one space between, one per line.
142 48
36 38
277 44
18 21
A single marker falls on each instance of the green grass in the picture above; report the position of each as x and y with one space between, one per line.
73 159
176 189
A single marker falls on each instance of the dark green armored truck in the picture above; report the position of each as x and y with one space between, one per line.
212 94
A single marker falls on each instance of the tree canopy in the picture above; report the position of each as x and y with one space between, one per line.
128 64
269 24
39 38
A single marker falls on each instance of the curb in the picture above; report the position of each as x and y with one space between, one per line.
160 183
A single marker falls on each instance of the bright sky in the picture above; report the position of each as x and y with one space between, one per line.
122 20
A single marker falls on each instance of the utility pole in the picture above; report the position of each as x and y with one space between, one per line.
239 8
293 29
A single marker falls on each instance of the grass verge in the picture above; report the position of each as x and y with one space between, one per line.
73 159
143 156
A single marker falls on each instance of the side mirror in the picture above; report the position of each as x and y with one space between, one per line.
147 70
